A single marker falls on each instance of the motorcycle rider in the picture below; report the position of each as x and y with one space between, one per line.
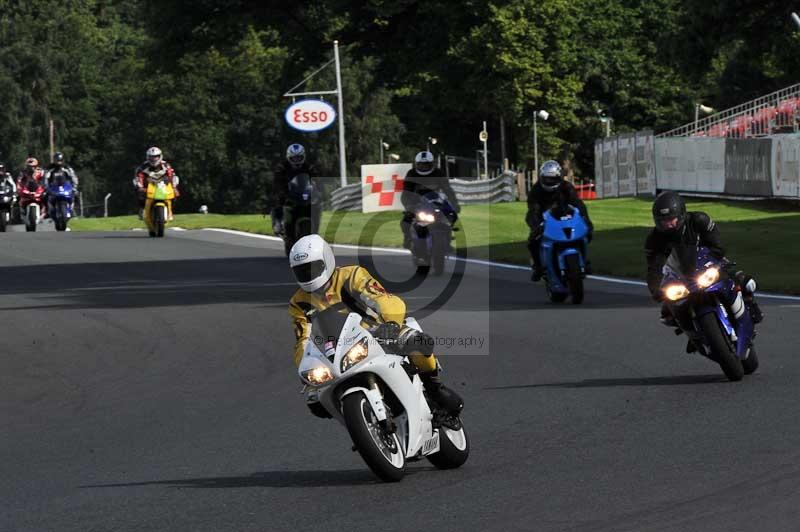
424 177
59 169
323 285
681 231
295 165
155 167
5 178
551 189
31 171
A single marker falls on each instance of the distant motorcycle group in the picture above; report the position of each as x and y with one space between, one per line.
38 194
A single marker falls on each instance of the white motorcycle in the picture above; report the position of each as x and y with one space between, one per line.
379 397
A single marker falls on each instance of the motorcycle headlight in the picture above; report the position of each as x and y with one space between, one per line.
425 217
708 277
675 292
317 376
356 354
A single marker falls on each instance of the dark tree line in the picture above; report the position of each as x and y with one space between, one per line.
204 79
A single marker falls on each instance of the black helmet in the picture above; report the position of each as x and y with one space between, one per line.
669 212
550 175
58 159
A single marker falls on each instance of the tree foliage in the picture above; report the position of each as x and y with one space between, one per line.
205 79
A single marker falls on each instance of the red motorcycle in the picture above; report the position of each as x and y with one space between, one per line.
31 203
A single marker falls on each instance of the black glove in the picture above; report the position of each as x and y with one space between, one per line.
386 331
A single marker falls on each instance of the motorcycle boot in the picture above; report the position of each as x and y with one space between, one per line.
440 394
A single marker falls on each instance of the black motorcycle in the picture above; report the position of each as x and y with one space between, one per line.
7 198
302 211
431 232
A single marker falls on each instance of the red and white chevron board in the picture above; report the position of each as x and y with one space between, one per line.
382 186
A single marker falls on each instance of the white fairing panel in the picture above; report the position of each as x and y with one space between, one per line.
414 424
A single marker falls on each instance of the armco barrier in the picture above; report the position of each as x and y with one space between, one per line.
347 198
503 188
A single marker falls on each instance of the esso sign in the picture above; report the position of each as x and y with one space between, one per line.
310 115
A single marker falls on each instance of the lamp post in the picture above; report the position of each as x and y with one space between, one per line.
394 157
606 120
698 107
384 146
431 140
544 115
796 19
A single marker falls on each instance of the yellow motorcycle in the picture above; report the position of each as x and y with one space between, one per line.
158 207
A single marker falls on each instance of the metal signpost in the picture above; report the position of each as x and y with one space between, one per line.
307 122
484 137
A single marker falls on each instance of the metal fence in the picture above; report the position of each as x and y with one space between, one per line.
777 112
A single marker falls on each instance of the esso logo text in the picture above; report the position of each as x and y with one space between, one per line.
310 115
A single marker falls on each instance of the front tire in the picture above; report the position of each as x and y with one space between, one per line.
721 348
750 364
3 221
574 278
382 452
159 220
453 448
30 222
555 297
438 252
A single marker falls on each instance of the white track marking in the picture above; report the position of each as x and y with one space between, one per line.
491 264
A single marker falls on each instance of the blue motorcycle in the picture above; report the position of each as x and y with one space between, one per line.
708 306
564 253
60 195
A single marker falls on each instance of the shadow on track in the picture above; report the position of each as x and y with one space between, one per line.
269 479
151 284
607 383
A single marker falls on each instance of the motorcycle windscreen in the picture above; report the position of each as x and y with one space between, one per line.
327 326
683 260
301 188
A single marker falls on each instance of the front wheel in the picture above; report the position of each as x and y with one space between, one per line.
453 448
30 222
721 348
750 364
574 278
3 222
439 243
380 450
159 219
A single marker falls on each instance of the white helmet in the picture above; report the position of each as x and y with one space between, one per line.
296 155
312 261
550 175
423 163
154 156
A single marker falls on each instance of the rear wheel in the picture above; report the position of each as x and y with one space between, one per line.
721 347
574 278
555 297
453 448
3 222
750 364
382 451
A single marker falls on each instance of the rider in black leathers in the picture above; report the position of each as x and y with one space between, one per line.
551 189
681 231
295 165
424 177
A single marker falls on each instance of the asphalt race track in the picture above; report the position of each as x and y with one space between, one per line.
148 385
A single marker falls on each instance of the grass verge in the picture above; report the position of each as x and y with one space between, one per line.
760 237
